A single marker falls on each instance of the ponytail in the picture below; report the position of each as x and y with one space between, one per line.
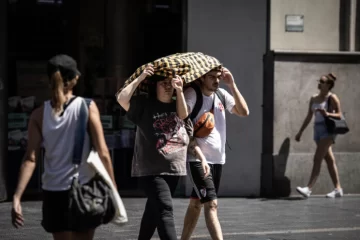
57 93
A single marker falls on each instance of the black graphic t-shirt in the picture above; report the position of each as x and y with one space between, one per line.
161 139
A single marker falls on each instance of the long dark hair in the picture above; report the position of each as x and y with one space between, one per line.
152 81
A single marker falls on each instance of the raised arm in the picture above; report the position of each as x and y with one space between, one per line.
125 95
241 107
181 107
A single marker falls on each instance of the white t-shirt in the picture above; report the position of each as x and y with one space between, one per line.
212 146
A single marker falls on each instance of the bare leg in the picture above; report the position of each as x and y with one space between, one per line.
212 221
333 171
88 235
62 236
191 218
321 150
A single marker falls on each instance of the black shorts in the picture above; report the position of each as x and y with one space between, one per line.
205 189
55 212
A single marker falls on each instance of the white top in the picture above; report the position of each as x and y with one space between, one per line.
323 105
212 146
58 140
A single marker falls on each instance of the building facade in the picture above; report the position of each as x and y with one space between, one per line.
269 46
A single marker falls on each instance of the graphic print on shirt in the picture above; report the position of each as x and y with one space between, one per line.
203 192
170 132
221 106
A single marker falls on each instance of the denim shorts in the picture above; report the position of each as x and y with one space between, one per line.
320 132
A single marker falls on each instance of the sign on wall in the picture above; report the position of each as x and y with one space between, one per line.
294 23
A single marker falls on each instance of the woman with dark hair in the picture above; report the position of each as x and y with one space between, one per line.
53 125
323 104
160 147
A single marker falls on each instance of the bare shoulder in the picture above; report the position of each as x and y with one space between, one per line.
37 115
188 91
333 95
93 106
334 98
94 114
313 97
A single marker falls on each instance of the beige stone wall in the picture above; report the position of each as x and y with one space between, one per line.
321 25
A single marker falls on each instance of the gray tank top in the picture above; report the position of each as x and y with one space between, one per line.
58 140
323 105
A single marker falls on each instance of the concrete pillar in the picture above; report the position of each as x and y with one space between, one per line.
3 97
349 25
357 27
352 31
344 25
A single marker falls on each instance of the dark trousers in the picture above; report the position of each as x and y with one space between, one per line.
159 208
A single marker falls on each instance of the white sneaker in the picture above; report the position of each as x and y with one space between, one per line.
305 191
336 193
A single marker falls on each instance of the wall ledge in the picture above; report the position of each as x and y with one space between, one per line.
302 52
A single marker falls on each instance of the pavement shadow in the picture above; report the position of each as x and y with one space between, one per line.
281 183
283 198
272 198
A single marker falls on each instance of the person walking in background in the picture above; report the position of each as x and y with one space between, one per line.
323 104
206 166
160 147
54 124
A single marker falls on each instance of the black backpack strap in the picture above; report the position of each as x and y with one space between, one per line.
88 102
199 101
66 105
328 103
221 96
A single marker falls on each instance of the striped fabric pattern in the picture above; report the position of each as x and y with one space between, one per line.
189 66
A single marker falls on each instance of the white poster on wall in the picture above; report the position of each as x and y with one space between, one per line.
294 23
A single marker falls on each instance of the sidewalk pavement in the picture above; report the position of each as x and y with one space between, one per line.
241 219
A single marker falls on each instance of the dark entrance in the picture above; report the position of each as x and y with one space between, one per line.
39 29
